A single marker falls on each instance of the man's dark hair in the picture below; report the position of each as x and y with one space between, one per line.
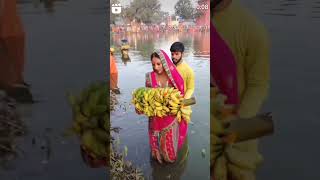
177 47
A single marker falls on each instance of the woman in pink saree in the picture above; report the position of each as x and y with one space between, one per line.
166 135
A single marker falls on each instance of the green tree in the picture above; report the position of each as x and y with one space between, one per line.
145 11
159 17
199 12
184 9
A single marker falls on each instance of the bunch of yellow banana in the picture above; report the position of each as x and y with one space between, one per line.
218 159
226 159
91 118
161 102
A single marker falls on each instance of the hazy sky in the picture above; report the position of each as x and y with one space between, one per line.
166 5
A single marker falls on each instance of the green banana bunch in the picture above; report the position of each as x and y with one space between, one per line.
93 144
161 102
91 118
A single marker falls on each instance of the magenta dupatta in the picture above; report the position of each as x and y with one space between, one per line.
223 67
176 80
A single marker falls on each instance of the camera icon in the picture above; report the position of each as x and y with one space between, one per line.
116 8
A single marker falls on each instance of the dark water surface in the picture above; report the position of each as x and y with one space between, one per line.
294 26
65 51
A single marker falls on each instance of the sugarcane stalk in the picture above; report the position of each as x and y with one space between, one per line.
189 102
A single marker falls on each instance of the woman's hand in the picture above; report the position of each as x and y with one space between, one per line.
138 112
156 155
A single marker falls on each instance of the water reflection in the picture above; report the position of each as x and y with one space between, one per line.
57 59
171 171
125 60
197 44
293 39
49 5
34 7
282 8
287 8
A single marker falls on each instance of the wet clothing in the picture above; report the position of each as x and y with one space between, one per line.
173 171
113 73
12 45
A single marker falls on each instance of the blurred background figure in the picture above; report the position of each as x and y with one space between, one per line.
12 53
125 50
113 73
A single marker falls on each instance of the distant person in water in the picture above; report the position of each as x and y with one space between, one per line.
12 53
113 73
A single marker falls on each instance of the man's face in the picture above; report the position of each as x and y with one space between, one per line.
176 56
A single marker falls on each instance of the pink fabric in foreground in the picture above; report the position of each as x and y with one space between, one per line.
223 67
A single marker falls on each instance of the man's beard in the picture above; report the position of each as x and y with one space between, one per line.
176 62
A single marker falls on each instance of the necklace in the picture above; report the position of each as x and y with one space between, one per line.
159 82
166 84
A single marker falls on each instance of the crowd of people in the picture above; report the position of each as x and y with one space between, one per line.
159 28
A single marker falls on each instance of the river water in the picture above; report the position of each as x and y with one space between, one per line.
294 27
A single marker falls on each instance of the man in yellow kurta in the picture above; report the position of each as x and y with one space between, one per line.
183 68
247 38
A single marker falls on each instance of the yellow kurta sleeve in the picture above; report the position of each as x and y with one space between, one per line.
189 84
256 71
188 76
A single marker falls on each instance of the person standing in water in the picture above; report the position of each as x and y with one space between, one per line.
167 136
113 73
177 52
12 53
248 42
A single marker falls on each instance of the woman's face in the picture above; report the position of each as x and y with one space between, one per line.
157 65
